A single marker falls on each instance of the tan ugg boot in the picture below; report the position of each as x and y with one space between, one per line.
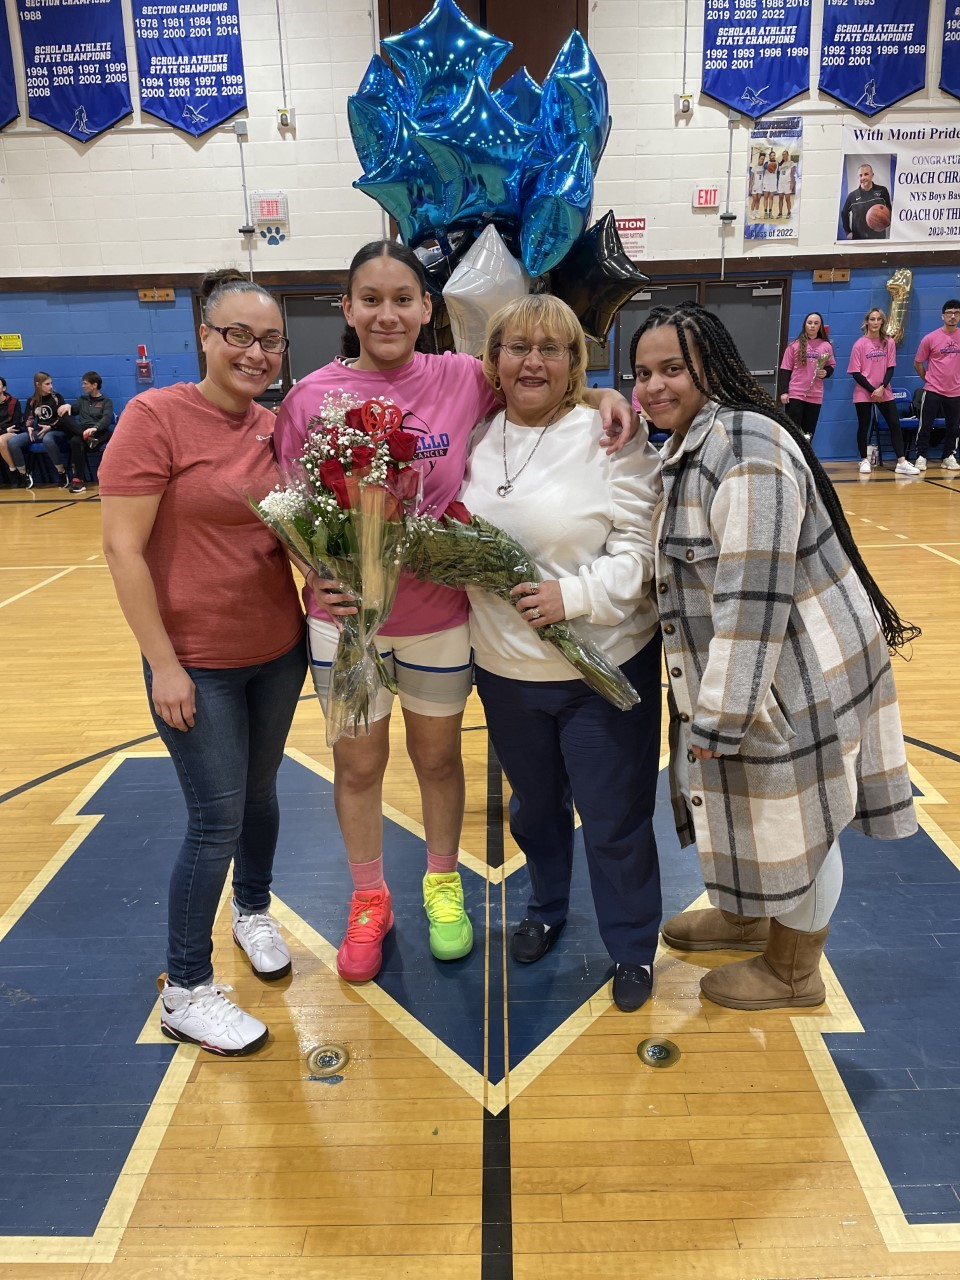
786 976
715 930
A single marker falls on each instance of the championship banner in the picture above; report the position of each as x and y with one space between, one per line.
9 110
950 61
875 54
901 183
190 62
75 59
774 167
756 53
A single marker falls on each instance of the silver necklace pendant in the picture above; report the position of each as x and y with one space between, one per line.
504 489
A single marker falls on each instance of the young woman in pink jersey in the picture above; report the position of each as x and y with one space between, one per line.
807 362
425 642
873 360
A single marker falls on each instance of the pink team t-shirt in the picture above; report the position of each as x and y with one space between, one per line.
940 352
804 383
445 396
223 583
872 359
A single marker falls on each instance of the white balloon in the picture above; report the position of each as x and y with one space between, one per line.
486 279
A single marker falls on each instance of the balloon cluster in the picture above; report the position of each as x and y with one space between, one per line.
479 173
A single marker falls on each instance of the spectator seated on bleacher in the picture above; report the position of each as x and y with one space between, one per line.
41 425
93 412
11 424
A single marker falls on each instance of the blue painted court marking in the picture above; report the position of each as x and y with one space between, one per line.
77 984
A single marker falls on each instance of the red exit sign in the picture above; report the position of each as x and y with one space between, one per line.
706 197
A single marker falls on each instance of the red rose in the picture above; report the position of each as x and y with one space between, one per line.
457 511
406 483
362 456
402 445
353 418
334 478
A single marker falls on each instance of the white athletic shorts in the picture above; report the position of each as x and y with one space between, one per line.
434 672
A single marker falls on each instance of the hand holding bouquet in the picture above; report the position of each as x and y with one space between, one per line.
343 515
460 550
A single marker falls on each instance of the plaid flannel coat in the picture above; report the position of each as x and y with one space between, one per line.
775 660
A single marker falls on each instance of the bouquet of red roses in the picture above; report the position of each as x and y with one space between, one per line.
342 513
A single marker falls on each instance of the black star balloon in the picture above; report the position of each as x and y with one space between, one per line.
596 278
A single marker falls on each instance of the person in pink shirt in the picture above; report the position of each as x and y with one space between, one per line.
807 362
873 360
425 641
938 362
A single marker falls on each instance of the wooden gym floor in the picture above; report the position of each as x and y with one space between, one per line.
487 1123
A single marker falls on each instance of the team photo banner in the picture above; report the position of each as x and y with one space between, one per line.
756 53
774 167
950 62
9 110
190 62
75 64
873 52
901 183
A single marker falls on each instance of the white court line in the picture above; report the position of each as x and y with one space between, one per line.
29 591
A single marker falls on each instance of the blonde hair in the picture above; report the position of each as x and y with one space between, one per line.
557 321
880 310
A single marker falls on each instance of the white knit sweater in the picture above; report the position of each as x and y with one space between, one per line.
586 520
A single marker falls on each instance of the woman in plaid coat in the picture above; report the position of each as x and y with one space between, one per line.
784 719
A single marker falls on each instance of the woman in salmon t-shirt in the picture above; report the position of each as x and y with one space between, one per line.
210 598
807 362
873 360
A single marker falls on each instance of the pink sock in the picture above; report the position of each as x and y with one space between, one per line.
441 863
367 875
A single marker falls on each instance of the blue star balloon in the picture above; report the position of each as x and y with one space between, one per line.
575 104
409 187
556 213
441 57
372 113
479 152
520 96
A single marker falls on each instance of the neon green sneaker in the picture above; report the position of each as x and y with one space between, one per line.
451 933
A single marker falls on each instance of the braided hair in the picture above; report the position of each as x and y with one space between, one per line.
728 381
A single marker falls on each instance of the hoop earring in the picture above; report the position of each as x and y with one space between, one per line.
496 382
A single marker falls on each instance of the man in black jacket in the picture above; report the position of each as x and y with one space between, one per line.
856 217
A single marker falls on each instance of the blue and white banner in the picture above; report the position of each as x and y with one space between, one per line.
950 63
9 110
874 54
190 62
756 53
75 59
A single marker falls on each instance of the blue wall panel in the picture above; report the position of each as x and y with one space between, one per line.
66 334
843 307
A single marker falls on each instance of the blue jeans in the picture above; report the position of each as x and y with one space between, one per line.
559 744
51 440
227 765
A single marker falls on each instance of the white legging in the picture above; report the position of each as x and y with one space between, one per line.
813 911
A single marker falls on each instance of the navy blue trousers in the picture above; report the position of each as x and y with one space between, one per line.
562 745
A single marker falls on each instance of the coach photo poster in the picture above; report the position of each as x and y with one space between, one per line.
900 183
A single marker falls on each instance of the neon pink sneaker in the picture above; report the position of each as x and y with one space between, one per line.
361 952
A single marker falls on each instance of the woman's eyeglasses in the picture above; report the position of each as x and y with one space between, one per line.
236 336
548 350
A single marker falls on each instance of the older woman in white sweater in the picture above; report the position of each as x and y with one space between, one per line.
538 470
